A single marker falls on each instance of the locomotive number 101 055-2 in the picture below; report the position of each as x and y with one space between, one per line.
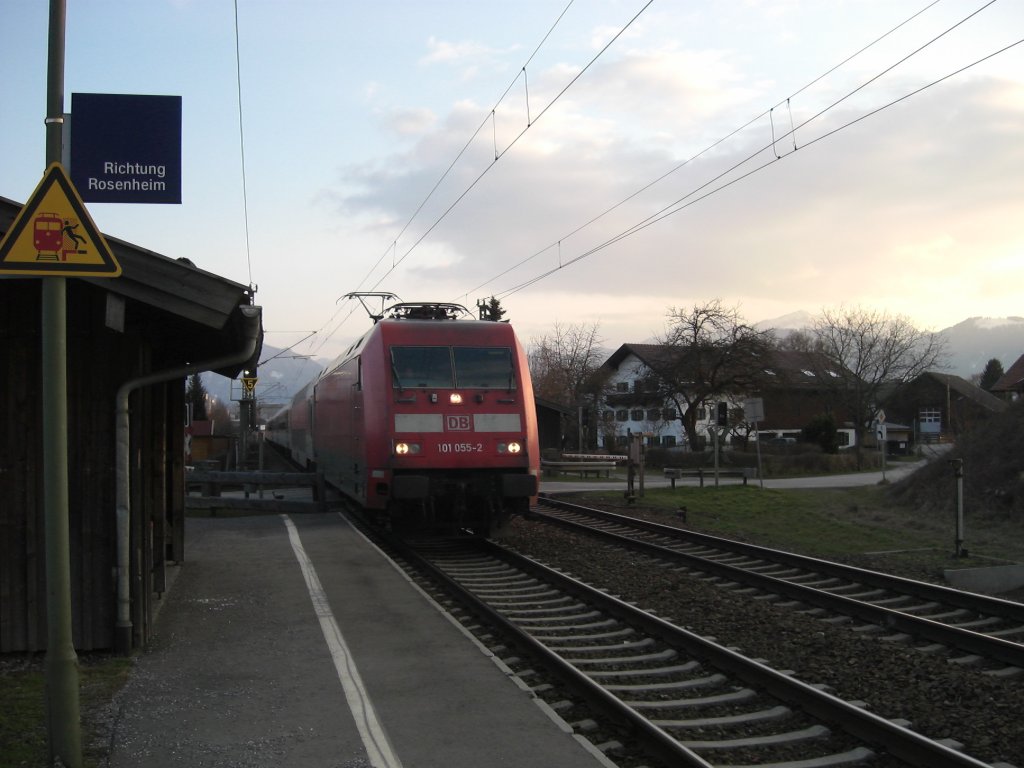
460 447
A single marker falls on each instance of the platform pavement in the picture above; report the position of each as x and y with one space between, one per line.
239 672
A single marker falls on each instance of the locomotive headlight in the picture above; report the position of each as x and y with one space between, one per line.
404 449
455 398
511 447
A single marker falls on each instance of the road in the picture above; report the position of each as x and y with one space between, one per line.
894 472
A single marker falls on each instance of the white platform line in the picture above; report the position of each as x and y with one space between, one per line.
590 749
378 748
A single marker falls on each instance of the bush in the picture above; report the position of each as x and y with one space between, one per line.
797 459
822 431
550 454
993 481
802 459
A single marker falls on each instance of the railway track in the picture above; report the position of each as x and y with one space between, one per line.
684 699
973 629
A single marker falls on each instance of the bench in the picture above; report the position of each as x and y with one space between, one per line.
677 473
552 468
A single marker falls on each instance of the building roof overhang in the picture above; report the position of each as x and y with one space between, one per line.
197 314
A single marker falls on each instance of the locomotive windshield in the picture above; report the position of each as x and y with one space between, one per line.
422 367
469 367
484 367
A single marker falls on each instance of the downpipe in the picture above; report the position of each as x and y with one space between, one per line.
122 422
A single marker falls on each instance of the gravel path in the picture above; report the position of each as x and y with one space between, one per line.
940 699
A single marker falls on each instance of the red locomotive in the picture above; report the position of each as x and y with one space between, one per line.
48 237
427 421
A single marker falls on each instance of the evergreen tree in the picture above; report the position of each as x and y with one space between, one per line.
490 309
993 372
195 394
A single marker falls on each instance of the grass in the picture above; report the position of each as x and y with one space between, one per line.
823 523
21 713
23 735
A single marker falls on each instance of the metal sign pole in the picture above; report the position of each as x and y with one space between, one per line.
714 432
958 473
757 444
62 705
753 411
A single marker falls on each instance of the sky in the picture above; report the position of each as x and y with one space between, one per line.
595 162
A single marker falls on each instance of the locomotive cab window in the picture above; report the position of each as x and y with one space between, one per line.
421 367
447 367
484 367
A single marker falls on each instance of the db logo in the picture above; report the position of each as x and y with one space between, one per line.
459 423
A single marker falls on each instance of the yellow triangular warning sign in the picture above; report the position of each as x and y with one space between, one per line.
54 235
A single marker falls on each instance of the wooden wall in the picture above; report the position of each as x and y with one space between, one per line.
99 361
22 567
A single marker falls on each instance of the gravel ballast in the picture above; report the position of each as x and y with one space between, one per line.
941 700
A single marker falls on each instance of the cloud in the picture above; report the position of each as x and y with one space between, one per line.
895 209
471 57
444 52
409 121
910 165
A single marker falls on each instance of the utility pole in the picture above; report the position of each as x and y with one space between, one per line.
62 708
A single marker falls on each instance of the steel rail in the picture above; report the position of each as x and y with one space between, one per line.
1004 651
896 740
983 603
657 740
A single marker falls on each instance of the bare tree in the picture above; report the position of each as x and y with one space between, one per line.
868 355
707 352
800 340
563 366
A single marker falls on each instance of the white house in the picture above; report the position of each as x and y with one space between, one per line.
790 386
632 405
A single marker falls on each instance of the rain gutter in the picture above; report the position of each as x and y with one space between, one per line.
252 316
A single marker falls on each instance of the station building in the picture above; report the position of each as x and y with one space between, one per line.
138 336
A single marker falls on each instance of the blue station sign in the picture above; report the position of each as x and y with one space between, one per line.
126 148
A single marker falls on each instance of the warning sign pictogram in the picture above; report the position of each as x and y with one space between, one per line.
54 235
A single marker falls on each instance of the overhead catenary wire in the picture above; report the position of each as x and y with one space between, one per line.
531 121
241 145
513 142
672 207
290 347
466 146
710 147
682 202
685 202
393 247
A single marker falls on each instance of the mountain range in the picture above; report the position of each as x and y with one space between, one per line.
970 345
279 376
975 341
